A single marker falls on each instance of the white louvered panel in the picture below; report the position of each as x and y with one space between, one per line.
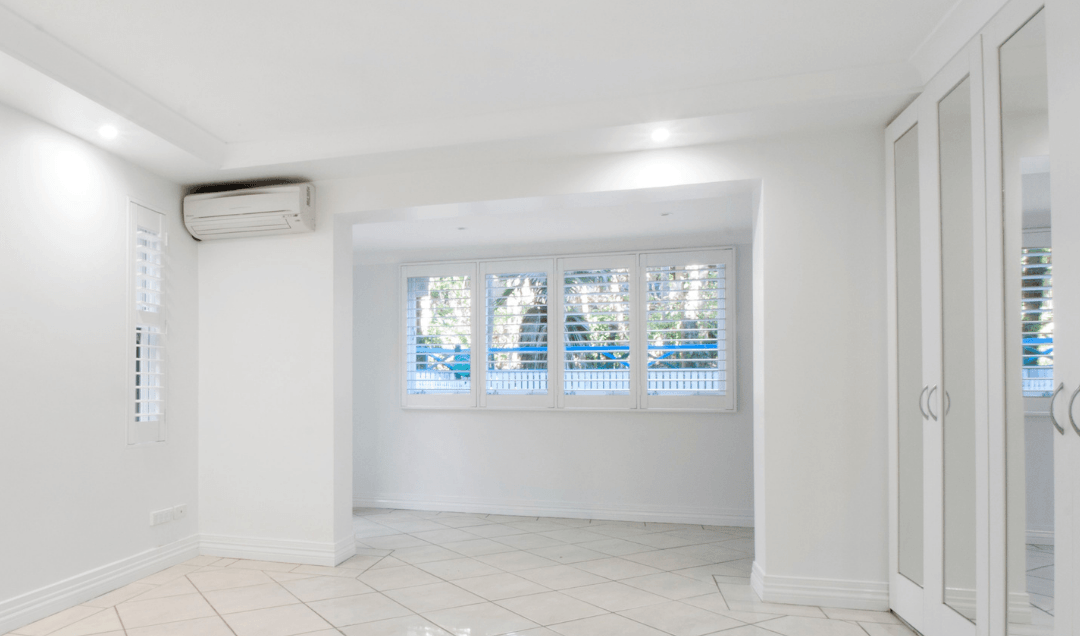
516 330
596 331
1037 321
149 374
438 328
686 329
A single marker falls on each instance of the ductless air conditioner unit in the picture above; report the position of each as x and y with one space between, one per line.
287 209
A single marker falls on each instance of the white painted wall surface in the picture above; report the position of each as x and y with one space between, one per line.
682 467
74 497
269 459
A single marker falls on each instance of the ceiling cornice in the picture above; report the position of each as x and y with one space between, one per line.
963 22
41 51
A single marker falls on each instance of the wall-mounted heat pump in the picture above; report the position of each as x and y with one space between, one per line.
287 209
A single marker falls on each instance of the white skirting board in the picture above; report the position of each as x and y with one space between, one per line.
859 595
303 552
570 510
48 600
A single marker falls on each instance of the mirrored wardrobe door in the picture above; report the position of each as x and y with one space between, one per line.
906 388
1020 170
954 326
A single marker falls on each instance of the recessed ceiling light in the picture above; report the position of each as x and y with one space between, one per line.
108 131
661 134
463 228
665 214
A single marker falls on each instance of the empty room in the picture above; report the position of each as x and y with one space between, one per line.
479 318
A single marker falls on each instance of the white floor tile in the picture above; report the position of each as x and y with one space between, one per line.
119 596
861 615
100 623
606 625
265 566
478 547
210 626
350 610
320 588
324 570
156 611
550 607
225 578
244 599
404 626
561 577
615 597
805 626
496 587
880 629
671 586
277 621
680 619
394 578
460 568
568 554
179 587
616 568
516 561
424 554
430 598
486 619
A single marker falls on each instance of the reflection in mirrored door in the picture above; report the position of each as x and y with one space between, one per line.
1029 330
909 358
958 391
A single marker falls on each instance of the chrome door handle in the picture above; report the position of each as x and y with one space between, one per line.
929 397
1071 419
1053 420
948 403
921 409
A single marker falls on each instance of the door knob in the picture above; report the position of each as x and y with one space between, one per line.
1053 420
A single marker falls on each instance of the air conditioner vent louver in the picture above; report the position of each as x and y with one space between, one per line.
266 211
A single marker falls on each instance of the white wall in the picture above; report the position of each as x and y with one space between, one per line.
819 328
274 468
74 497
694 468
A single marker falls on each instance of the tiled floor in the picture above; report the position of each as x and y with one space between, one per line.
1040 578
442 574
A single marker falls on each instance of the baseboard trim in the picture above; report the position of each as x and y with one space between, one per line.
572 510
858 595
45 601
281 550
1040 537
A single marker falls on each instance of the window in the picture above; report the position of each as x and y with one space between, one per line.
147 419
686 329
439 336
647 330
516 334
1037 321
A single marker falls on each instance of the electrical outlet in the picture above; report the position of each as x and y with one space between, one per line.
159 517
179 512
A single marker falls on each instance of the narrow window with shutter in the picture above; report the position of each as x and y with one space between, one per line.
1037 321
147 423
596 330
439 336
688 320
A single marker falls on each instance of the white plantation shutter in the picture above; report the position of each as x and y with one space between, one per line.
597 323
515 327
147 423
688 318
439 335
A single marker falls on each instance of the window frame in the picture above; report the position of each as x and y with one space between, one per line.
146 433
725 402
537 401
636 262
438 400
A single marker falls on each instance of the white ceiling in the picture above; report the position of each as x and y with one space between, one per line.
249 86
704 214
